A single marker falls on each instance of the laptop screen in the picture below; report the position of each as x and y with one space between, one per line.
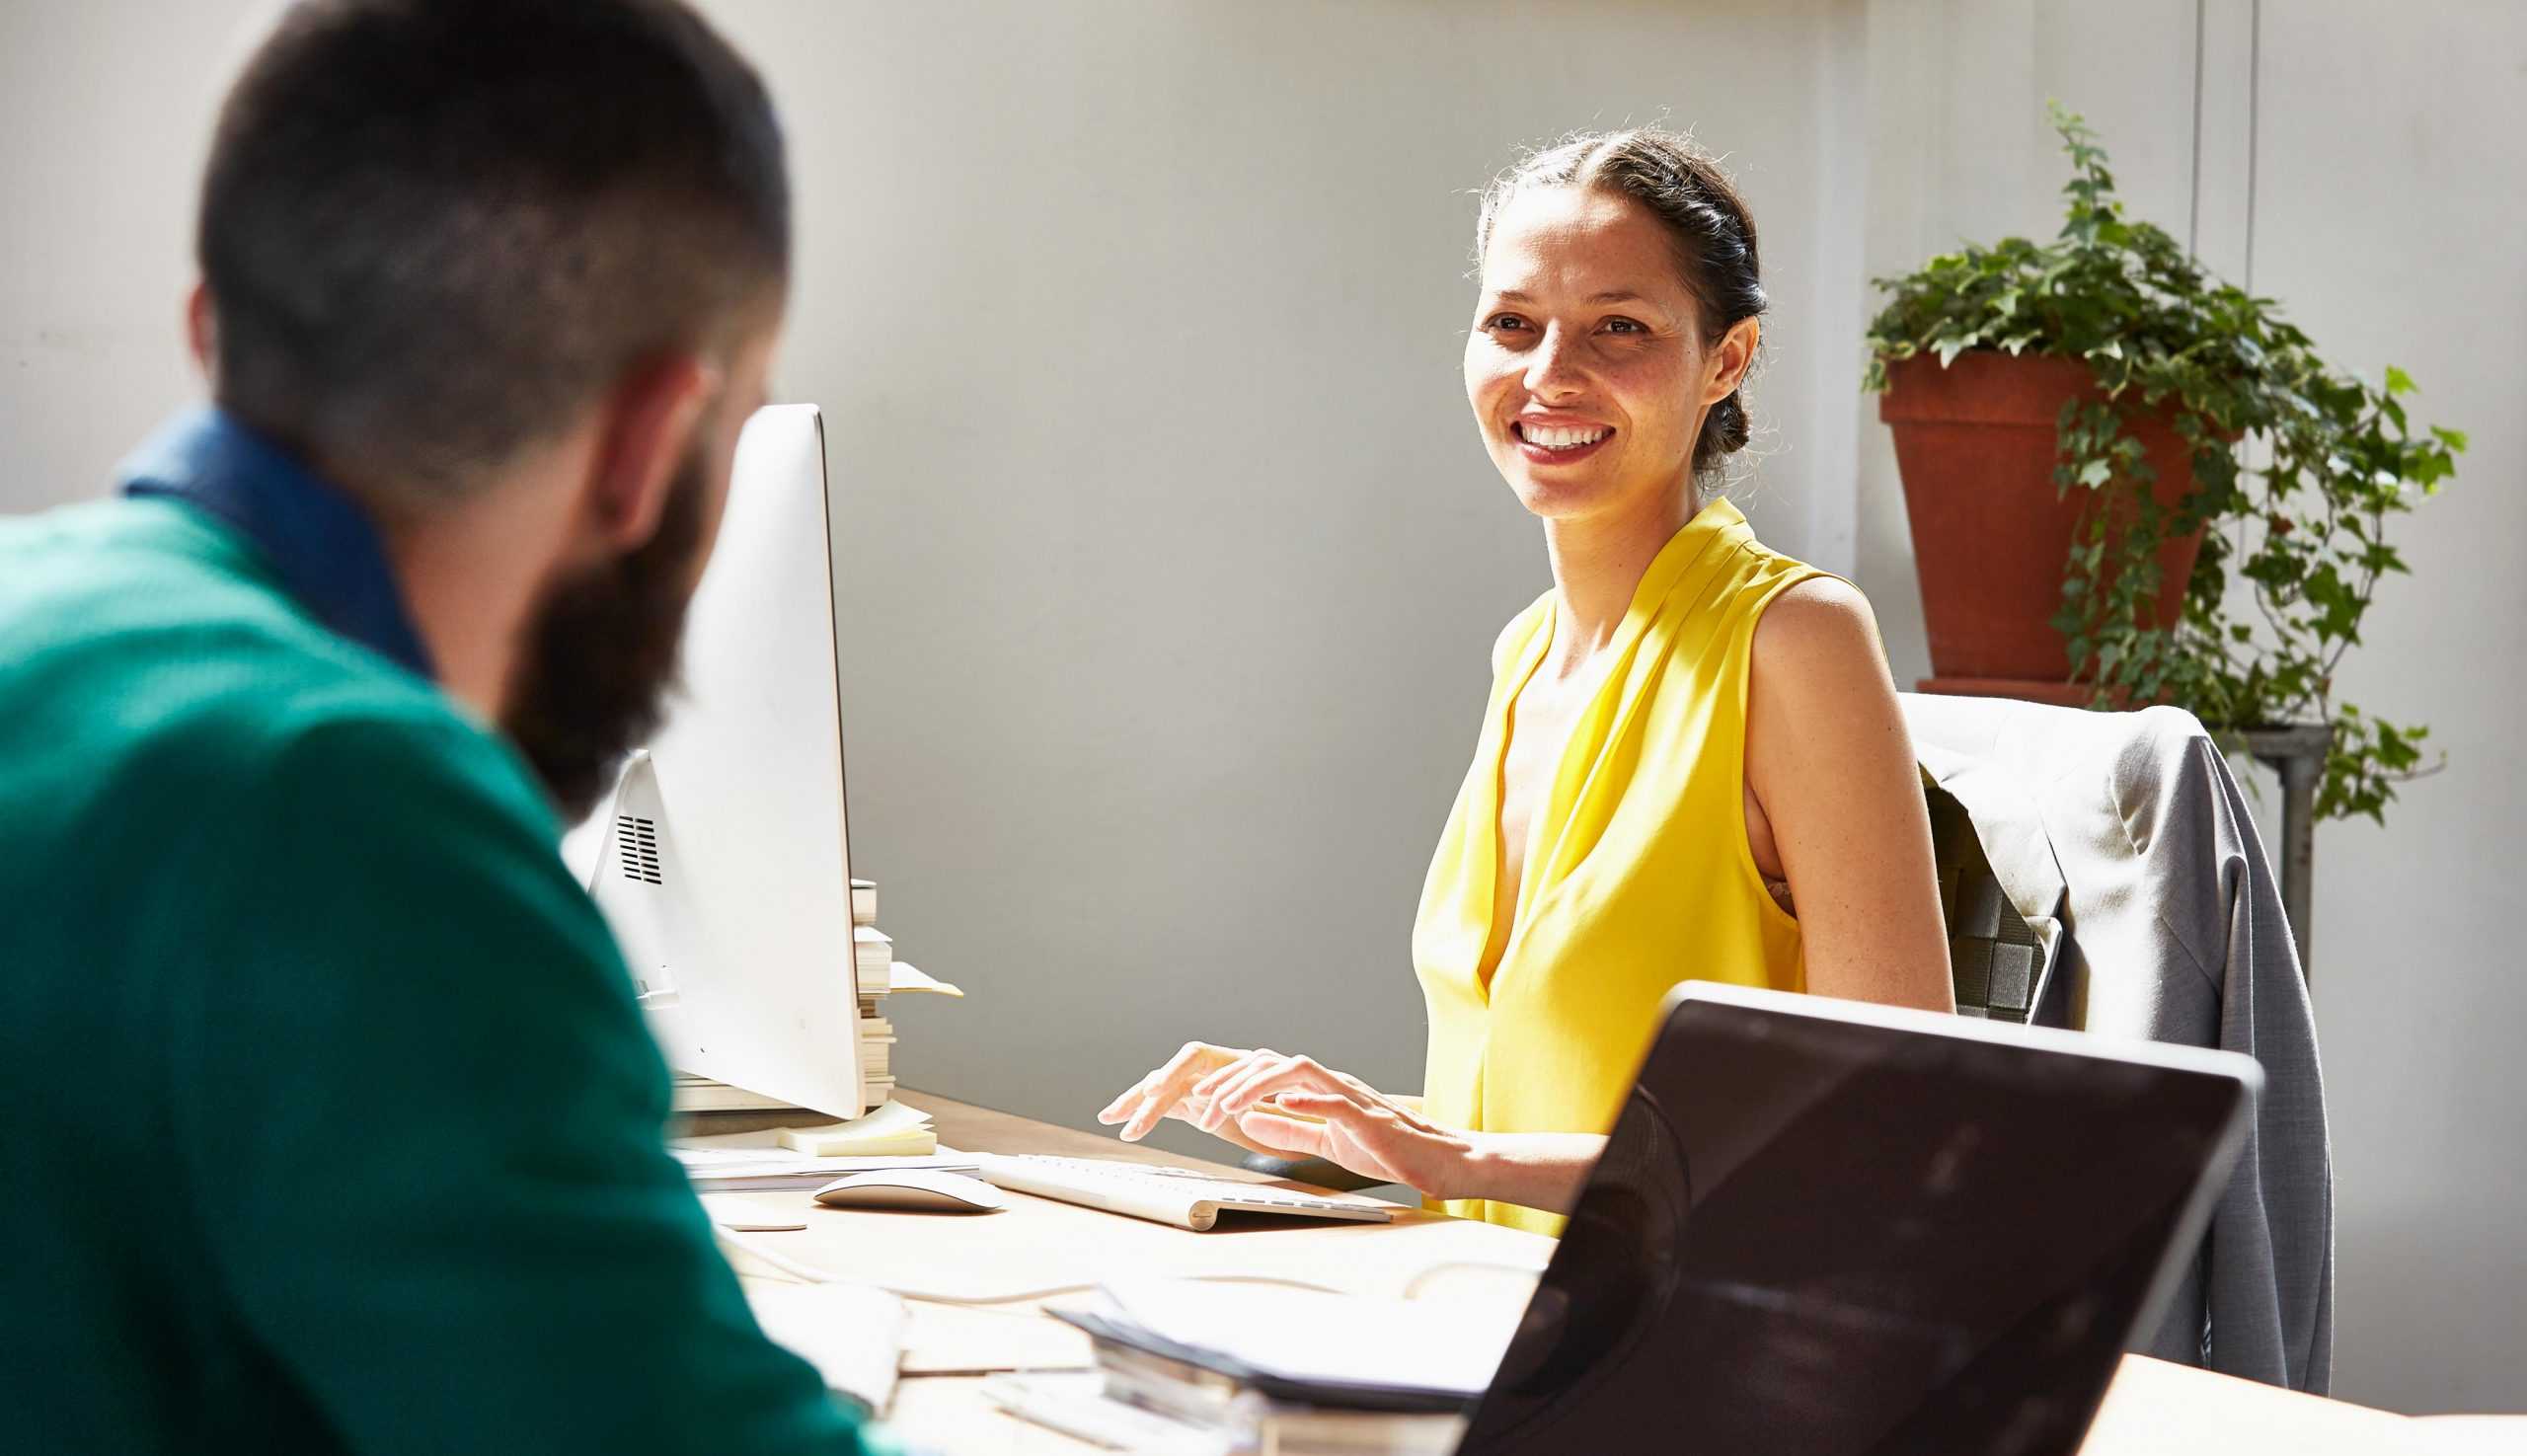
1821 1235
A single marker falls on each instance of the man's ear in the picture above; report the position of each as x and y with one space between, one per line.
1730 360
646 430
201 330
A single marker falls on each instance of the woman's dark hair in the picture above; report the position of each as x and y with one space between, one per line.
433 230
1707 221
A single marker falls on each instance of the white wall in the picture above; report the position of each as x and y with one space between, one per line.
1171 556
2397 227
2388 218
105 116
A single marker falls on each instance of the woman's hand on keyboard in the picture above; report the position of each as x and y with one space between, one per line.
1266 1101
1162 1094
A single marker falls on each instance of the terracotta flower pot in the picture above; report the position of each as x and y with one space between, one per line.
1991 532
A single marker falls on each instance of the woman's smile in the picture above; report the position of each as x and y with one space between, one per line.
1544 440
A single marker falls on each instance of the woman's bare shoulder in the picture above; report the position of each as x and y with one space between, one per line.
1818 633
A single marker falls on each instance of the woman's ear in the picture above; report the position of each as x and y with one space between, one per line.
1730 358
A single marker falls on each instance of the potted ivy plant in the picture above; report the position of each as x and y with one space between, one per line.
2099 439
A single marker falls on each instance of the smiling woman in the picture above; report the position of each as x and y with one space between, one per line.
1693 765
1658 222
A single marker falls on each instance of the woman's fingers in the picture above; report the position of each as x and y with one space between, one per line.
1120 1107
1263 1078
1163 1088
1124 1106
1211 1097
1288 1134
1237 1136
1215 1087
1208 1088
1359 1139
1396 1142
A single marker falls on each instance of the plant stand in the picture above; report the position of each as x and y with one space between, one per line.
2296 751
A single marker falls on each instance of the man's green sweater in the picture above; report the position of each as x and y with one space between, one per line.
332 1121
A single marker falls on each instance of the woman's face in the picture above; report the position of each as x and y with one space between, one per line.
1585 365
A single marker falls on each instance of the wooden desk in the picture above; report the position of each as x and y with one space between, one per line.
2154 1407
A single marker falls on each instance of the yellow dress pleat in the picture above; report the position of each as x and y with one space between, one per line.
1638 873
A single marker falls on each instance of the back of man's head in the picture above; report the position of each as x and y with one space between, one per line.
434 231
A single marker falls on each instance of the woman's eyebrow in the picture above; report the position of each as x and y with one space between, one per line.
1611 295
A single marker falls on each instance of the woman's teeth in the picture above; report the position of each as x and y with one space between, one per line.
1555 438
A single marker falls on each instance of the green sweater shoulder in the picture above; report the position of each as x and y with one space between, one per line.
339 1120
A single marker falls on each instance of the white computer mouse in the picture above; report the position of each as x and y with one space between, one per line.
915 1189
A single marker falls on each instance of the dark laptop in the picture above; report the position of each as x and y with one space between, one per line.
1830 1229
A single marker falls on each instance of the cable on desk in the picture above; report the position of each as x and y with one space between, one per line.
1413 1286
811 1275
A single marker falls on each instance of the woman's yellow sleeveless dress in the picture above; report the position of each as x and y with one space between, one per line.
1637 874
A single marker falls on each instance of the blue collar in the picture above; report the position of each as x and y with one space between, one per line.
318 540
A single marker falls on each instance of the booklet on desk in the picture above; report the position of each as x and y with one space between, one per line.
1296 1348
1096 1413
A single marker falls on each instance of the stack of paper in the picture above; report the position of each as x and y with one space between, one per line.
872 952
889 1137
891 1129
880 974
698 1094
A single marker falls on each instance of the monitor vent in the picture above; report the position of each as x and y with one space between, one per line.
639 839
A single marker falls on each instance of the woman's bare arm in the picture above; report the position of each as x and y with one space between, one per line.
1831 769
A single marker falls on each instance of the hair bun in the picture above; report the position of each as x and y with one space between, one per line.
1727 426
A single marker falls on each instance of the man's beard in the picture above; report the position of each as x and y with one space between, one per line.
600 654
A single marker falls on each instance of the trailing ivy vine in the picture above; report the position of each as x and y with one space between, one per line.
2297 468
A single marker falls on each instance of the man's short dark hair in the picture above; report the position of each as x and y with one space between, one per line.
434 230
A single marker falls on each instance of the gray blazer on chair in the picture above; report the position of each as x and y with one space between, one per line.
2125 845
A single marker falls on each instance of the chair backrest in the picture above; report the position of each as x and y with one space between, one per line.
1995 956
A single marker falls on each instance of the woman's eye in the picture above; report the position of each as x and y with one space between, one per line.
1504 321
1625 326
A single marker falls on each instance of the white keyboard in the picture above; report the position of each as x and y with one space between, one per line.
1187 1197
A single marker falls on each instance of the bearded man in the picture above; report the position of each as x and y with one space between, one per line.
333 1122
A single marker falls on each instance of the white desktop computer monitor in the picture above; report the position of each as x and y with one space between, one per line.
721 859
